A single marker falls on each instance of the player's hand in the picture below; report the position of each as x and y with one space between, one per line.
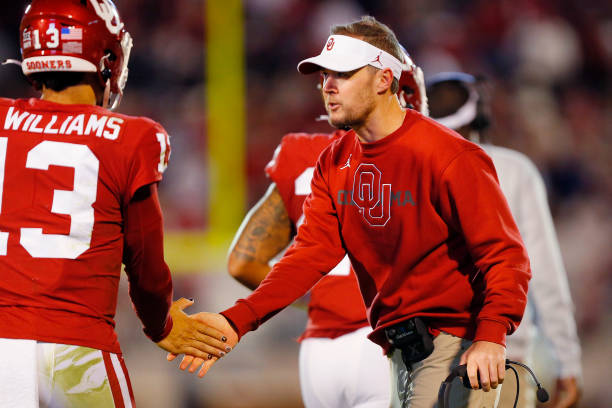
193 362
567 393
192 336
487 361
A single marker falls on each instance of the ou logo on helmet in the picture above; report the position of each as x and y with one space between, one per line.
371 196
330 44
107 11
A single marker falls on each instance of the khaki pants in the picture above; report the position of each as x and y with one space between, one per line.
418 387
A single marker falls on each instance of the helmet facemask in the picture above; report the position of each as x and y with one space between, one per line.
412 92
114 84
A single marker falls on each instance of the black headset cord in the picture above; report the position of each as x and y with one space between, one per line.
461 371
541 393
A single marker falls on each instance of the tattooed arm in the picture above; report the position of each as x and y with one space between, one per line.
265 231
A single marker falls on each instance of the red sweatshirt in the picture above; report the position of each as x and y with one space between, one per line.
427 229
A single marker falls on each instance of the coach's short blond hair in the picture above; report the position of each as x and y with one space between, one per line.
374 32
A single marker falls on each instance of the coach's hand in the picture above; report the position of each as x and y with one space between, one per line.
192 336
485 360
220 323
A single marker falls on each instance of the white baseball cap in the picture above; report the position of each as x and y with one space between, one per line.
342 53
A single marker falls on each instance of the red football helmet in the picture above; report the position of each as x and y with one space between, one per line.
412 87
77 36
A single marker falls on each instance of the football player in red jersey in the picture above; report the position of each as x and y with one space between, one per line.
339 366
78 197
440 263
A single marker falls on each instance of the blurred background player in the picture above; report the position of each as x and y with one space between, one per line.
78 191
456 101
339 366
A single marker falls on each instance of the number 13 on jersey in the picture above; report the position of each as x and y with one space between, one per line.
77 203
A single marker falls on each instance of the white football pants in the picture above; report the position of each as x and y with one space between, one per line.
49 375
346 372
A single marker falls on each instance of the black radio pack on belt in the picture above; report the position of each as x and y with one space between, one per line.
412 338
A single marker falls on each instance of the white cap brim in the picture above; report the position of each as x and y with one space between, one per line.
344 54
327 61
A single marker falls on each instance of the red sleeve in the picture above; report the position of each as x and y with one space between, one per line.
292 156
316 250
279 172
292 166
273 168
473 203
143 256
150 157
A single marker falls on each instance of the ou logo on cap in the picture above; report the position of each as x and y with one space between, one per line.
330 44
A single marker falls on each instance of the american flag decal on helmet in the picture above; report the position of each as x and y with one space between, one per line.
74 34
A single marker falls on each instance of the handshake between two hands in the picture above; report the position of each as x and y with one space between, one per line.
202 337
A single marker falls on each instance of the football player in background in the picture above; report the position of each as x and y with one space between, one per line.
78 196
339 366
457 103
443 277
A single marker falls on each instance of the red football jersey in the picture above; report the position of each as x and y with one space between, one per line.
67 173
336 306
